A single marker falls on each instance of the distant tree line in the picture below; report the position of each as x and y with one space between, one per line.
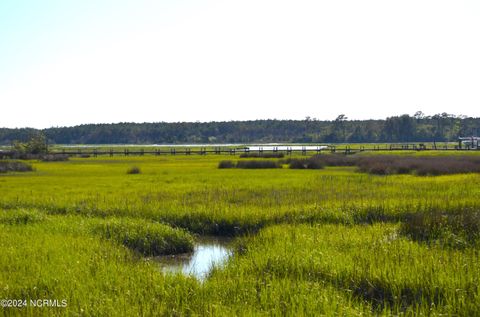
404 128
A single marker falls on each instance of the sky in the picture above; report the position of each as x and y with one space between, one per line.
65 62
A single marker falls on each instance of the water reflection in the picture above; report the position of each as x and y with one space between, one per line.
287 147
208 252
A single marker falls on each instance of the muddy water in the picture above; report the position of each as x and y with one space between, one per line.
208 252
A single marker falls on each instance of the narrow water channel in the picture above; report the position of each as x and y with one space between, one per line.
208 252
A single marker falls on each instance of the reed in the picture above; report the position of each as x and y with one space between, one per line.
15 166
146 237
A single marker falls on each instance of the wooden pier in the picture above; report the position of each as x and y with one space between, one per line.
235 150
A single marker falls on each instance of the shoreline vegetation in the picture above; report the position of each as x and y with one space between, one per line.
14 166
441 127
364 234
371 164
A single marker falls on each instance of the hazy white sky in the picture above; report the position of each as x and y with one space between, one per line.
99 61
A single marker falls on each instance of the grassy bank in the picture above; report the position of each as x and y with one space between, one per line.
191 192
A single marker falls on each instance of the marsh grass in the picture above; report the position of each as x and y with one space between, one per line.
258 164
21 216
329 241
190 192
134 170
251 164
14 166
59 259
336 159
226 164
422 166
402 164
459 229
371 264
145 237
310 163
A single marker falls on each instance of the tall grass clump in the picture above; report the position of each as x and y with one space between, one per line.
226 164
14 166
422 166
251 164
319 161
459 228
20 216
258 164
59 260
134 170
146 237
310 163
396 164
335 159
372 265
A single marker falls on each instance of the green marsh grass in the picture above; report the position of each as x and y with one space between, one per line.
317 242
457 229
134 170
20 216
146 237
59 259
191 192
250 164
371 265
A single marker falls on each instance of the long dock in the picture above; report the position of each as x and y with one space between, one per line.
237 150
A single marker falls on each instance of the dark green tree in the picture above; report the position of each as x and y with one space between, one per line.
36 145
